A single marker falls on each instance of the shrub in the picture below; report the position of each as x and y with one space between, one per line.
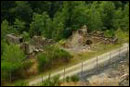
121 35
57 53
20 83
27 64
109 33
26 36
42 60
73 78
51 55
12 62
54 81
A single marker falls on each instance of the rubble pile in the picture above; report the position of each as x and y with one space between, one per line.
81 39
36 44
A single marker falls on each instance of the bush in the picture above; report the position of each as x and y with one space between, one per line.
67 79
109 33
122 36
20 83
26 36
55 81
12 62
42 60
27 64
73 78
51 55
3 45
56 53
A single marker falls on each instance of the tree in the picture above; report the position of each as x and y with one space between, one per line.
40 6
94 20
12 57
125 20
19 26
107 9
3 45
42 61
22 11
40 24
5 29
26 36
6 7
78 17
121 18
117 20
58 26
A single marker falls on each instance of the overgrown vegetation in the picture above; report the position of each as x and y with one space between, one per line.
55 20
52 55
53 81
73 78
12 62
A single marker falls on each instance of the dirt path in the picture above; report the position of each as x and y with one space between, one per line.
87 65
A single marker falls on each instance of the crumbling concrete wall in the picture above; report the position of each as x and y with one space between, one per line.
78 38
11 38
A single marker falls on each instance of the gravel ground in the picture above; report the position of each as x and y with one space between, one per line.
114 74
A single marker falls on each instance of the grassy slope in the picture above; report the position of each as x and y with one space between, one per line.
77 58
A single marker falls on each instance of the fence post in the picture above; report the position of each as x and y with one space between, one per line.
64 75
42 79
127 51
49 77
97 63
119 52
110 57
82 67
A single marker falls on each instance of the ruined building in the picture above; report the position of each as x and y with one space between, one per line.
36 44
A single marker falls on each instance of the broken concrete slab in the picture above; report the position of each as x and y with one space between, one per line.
11 38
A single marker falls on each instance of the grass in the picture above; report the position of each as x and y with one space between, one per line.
77 58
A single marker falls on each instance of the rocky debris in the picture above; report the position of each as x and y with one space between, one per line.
77 38
81 38
36 44
39 42
11 38
101 37
103 80
116 74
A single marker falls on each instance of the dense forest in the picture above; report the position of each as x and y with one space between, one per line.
55 20
58 19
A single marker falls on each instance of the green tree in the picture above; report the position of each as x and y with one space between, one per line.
6 7
78 17
51 55
40 24
94 20
3 45
19 26
125 20
42 61
107 9
5 29
121 18
26 36
22 11
40 6
12 57
58 26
